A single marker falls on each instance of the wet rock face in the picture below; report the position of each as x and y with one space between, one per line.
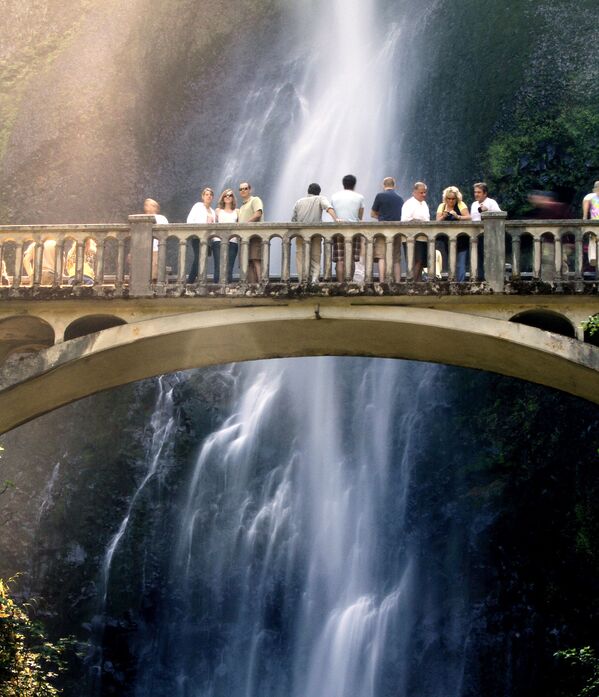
97 93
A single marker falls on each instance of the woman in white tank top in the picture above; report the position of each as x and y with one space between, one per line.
227 213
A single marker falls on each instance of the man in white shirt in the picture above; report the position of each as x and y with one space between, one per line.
349 206
482 203
416 208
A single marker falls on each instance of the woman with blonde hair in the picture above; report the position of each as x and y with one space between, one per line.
450 210
228 213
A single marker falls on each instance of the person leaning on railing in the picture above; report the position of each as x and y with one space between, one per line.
89 260
451 210
48 262
590 211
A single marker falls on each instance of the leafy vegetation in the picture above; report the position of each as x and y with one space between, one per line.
584 664
558 153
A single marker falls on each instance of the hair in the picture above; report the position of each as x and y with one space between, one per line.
153 203
349 181
482 186
453 190
389 181
207 188
314 189
419 185
596 185
221 200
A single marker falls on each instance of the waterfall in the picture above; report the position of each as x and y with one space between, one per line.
293 568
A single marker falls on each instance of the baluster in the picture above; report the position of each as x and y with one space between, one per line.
558 261
578 256
410 247
369 261
58 263
80 258
307 258
536 257
328 259
453 255
1 260
349 257
100 261
16 279
431 260
120 263
474 238
244 255
389 245
300 257
265 261
224 259
515 256
286 259
595 241
203 247
37 264
161 263
182 260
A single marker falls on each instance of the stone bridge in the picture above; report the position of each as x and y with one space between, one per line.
519 312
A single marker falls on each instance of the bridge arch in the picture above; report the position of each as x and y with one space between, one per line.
546 320
66 372
90 324
24 334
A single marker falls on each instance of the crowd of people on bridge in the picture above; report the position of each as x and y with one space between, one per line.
346 205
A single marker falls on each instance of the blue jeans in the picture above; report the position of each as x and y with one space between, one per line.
215 248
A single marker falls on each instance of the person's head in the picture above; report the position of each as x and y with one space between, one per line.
388 183
245 190
596 187
481 191
452 196
227 199
314 189
420 191
151 207
349 181
207 196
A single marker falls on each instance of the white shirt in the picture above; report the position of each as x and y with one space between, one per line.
160 220
200 215
489 203
413 209
347 204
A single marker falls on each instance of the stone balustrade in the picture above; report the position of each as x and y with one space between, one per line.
124 263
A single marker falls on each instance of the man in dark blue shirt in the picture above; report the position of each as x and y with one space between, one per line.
386 208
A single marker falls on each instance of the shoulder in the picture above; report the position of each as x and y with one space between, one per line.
257 202
462 206
440 207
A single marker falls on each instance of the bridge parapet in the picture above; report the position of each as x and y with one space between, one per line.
141 259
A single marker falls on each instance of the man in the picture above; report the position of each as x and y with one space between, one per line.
416 208
48 262
482 203
386 207
152 207
252 211
309 210
349 206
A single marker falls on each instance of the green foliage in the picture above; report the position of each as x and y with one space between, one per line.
559 153
591 325
585 665
29 663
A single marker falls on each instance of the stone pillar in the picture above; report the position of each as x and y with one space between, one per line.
494 228
140 277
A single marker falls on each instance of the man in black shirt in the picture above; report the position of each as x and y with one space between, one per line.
386 207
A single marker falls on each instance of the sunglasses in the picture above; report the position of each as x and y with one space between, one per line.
244 188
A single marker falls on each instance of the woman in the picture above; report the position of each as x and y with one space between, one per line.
452 209
89 262
226 212
200 214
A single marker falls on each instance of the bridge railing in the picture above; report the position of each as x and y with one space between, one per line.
143 259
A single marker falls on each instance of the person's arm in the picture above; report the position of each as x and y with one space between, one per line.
193 217
331 212
440 212
361 213
28 259
586 204
464 213
256 217
374 214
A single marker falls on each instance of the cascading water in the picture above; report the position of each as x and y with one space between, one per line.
294 570
290 575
